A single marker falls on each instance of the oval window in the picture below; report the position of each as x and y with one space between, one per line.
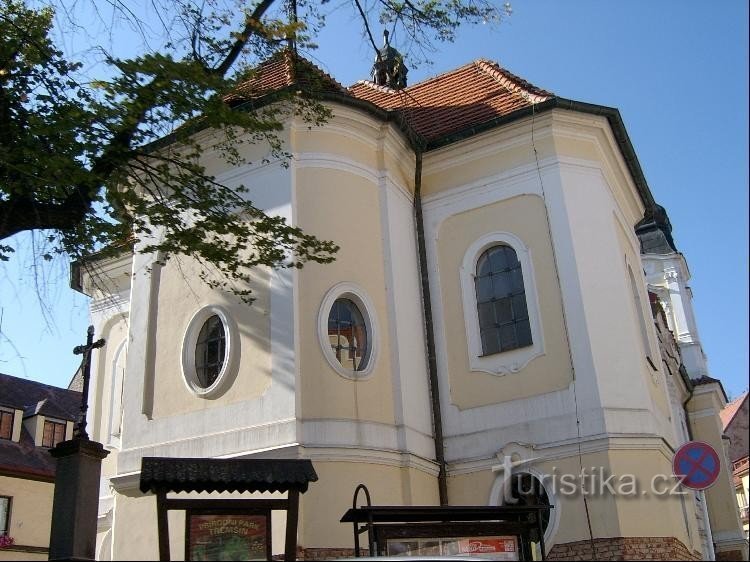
210 351
347 334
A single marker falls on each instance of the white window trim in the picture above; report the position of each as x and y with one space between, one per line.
359 297
505 362
231 357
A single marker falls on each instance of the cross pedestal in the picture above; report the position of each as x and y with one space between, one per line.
76 500
75 505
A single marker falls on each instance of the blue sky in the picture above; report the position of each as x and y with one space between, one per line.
676 70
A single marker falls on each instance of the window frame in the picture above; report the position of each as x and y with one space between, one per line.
357 295
230 364
55 423
12 415
8 512
513 360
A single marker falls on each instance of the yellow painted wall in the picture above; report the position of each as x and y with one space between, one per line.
639 515
326 501
181 294
30 511
651 514
355 203
509 148
720 498
523 216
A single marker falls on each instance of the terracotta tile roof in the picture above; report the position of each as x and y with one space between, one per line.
454 101
728 413
466 97
280 71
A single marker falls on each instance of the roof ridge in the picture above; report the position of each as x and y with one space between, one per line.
373 86
38 383
512 82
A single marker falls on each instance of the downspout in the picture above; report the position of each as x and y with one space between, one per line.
437 418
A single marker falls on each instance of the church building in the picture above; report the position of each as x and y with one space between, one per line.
490 306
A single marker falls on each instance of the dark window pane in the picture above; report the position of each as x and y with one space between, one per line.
516 280
484 267
490 342
486 315
499 281
503 311
523 333
501 285
519 307
484 288
498 258
210 351
507 337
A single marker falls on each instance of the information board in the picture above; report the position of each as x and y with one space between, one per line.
214 536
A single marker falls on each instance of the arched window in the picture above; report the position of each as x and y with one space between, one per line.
501 309
501 301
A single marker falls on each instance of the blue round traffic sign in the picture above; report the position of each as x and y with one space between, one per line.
698 464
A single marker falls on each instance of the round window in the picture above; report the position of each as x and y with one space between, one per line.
347 330
210 352
347 333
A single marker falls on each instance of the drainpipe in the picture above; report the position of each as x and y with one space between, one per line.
437 419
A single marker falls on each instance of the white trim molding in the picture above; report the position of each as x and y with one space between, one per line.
514 360
358 296
231 356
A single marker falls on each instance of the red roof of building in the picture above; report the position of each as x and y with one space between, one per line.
731 409
280 71
460 99
455 101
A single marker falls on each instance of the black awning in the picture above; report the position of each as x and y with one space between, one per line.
225 475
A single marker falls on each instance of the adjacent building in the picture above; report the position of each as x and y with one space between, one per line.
735 420
34 417
488 302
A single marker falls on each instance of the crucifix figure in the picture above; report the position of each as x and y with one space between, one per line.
79 432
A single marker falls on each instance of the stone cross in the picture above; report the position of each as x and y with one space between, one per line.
79 432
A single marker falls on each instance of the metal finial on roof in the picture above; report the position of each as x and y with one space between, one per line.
389 69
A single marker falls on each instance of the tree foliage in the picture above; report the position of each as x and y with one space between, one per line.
81 159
